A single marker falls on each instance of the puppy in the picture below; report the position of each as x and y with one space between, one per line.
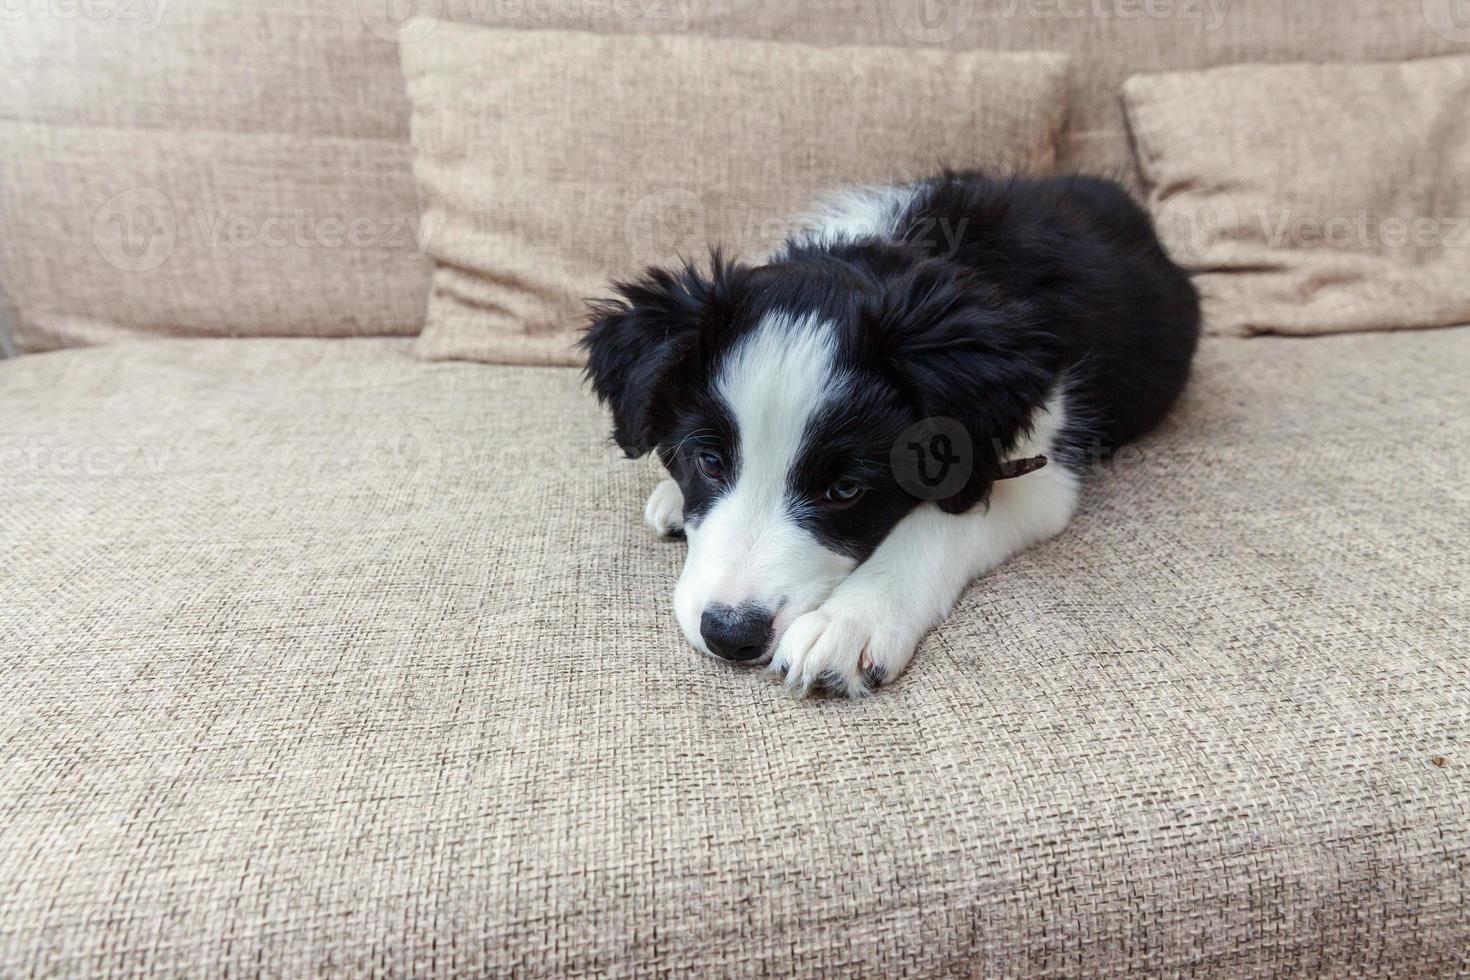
899 399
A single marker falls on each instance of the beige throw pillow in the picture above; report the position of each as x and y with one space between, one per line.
549 162
1313 198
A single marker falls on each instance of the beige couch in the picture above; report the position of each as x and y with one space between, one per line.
317 658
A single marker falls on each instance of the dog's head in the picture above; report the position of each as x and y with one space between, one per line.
785 400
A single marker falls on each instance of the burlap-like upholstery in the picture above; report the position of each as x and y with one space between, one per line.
1313 198
293 115
204 167
599 156
320 659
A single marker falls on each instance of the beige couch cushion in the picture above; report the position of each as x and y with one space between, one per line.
595 156
326 72
320 659
1108 40
1313 198
216 168
116 233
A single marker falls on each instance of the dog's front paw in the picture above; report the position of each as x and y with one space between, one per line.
664 512
845 647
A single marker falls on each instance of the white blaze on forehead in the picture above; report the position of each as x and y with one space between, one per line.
775 381
749 547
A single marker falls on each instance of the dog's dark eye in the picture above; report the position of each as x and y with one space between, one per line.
711 465
843 493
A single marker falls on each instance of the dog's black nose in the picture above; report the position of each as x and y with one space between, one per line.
736 634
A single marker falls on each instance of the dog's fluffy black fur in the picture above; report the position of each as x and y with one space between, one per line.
984 296
979 299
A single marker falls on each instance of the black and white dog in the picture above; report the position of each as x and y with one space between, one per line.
856 429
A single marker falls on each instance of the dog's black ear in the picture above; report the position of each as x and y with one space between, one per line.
636 342
964 354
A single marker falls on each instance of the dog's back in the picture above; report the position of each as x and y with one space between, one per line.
1121 318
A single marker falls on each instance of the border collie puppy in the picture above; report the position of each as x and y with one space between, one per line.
899 399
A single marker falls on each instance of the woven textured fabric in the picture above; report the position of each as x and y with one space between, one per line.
320 659
1108 40
1304 228
326 72
204 168
599 156
114 234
